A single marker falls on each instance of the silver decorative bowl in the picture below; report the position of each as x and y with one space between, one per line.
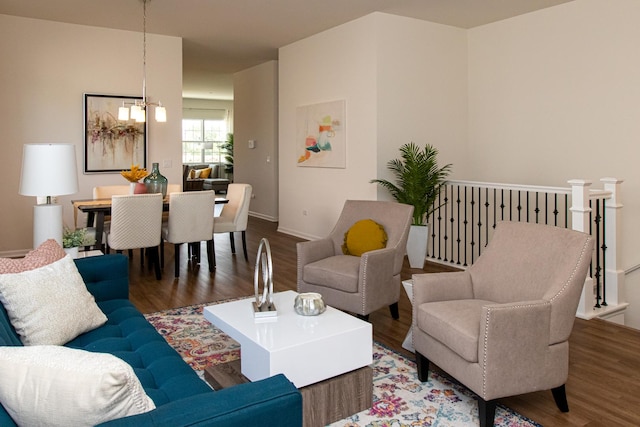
309 304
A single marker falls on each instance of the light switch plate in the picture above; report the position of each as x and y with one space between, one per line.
252 143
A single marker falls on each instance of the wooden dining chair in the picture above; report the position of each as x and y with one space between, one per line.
136 222
190 221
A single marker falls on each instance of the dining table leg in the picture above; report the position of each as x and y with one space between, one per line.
99 229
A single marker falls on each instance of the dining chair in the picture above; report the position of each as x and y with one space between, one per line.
235 215
190 221
136 222
173 188
107 191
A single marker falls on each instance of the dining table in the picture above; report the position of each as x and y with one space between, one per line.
98 209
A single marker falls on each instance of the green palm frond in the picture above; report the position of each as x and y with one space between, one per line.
418 179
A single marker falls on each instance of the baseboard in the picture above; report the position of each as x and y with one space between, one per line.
262 216
295 233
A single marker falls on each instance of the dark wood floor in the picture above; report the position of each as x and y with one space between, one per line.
604 376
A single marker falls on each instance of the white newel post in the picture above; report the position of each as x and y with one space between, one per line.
614 275
580 211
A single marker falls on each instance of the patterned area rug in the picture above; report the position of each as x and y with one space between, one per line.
399 400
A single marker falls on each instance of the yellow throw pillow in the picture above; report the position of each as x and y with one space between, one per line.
204 173
364 236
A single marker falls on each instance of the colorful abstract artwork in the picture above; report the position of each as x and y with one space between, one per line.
320 135
111 145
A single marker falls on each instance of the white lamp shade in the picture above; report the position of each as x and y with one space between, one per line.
141 116
49 170
123 113
161 114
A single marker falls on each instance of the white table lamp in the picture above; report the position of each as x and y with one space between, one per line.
48 170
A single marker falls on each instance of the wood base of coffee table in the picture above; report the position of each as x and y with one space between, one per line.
322 403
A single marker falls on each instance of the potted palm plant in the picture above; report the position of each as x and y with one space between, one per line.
418 183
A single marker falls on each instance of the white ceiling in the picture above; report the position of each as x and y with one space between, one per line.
221 37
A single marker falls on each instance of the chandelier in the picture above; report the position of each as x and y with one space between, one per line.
138 109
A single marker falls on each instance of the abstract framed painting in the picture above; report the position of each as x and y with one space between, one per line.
112 145
321 135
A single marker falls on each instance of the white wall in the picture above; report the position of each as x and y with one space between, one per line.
402 79
209 104
555 95
255 97
422 91
46 68
338 64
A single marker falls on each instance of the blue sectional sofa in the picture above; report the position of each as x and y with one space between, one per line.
180 396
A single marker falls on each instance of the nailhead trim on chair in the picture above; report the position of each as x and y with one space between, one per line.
573 273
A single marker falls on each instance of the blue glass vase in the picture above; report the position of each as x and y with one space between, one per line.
156 182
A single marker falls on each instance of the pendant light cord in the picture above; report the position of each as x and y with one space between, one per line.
144 53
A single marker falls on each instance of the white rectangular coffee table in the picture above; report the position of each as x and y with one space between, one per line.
307 349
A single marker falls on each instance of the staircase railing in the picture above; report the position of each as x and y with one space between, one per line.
467 213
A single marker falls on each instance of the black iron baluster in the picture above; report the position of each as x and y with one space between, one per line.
439 226
537 210
465 226
519 207
598 270
555 209
446 237
546 208
501 205
604 253
479 221
510 205
486 216
458 223
473 243
433 231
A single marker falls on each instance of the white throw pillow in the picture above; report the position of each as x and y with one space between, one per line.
60 386
50 304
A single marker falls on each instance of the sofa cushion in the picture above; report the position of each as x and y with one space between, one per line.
59 386
337 272
129 336
199 173
204 173
49 251
438 318
49 305
364 236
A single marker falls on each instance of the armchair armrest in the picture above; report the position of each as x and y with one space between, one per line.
273 401
106 276
513 347
431 287
376 272
313 251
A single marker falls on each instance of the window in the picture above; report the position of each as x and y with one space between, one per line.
202 139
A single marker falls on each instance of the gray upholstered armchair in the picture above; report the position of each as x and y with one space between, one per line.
358 284
502 327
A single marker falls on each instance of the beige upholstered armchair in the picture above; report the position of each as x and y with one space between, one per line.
358 284
502 327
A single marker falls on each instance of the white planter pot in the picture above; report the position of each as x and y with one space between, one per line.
417 245
73 252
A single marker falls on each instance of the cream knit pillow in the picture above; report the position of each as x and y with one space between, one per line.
60 386
50 304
